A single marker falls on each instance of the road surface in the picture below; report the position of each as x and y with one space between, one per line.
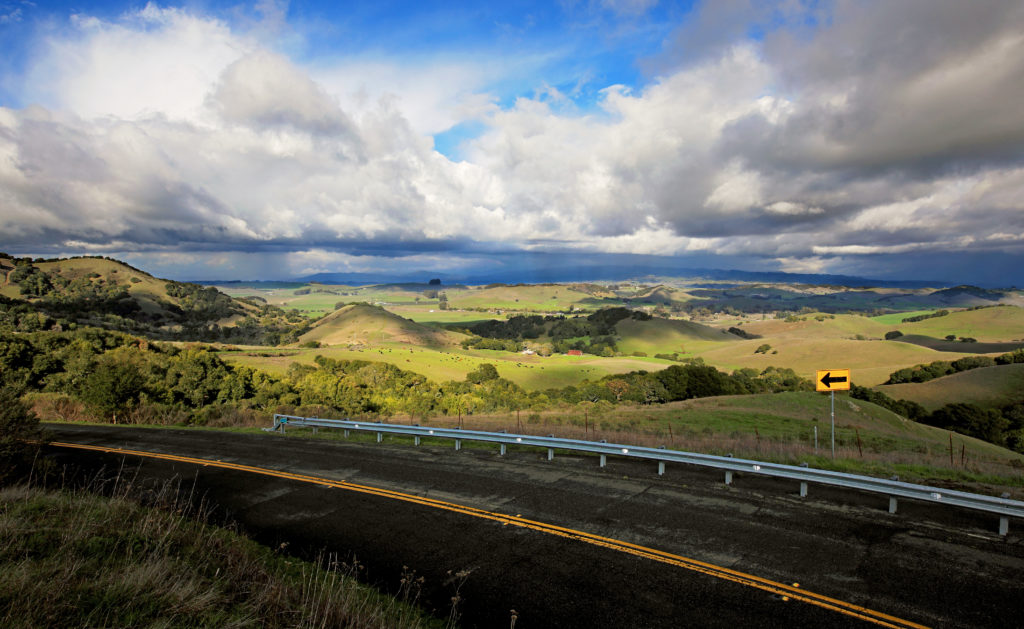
565 543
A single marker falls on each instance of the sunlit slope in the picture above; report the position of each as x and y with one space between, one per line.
794 415
1001 323
989 386
148 291
440 364
541 297
368 325
808 345
667 336
820 325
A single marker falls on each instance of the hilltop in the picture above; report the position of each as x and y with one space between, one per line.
106 293
363 324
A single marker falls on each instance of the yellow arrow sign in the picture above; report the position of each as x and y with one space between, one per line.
832 380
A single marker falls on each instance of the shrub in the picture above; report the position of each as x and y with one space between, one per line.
895 334
20 435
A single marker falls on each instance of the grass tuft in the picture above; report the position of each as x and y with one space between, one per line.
76 559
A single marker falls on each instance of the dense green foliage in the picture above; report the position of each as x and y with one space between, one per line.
940 368
123 378
594 334
932 315
20 435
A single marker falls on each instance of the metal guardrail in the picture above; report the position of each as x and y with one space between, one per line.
894 489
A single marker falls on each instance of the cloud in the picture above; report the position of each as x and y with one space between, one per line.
837 137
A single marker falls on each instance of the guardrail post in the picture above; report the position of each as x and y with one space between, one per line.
503 449
416 439
604 460
728 477
803 490
458 444
346 433
661 468
551 453
892 504
314 430
380 437
1004 525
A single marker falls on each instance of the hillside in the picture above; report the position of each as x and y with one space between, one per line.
667 336
998 324
360 324
819 341
106 293
991 387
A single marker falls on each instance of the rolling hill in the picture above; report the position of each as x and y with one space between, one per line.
360 324
106 293
990 387
998 324
667 336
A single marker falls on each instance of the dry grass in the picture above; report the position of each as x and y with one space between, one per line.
79 560
865 444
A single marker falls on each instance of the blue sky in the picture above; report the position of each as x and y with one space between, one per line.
268 140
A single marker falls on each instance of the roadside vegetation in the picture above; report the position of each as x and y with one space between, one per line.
121 556
78 559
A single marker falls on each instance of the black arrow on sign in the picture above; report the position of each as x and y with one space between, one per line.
829 379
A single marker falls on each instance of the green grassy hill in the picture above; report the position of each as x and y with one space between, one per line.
358 324
987 387
667 336
534 297
815 341
993 325
106 293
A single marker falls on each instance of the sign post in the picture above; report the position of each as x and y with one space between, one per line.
832 380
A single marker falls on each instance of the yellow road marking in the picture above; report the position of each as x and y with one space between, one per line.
749 580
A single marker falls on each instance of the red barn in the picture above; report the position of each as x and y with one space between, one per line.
574 352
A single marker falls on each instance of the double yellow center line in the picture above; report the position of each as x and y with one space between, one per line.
789 592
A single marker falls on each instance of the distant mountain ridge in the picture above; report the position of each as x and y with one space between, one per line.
622 274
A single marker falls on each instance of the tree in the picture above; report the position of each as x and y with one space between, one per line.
895 334
111 387
434 282
442 301
484 373
20 435
618 387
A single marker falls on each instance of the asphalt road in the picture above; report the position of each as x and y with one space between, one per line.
470 512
